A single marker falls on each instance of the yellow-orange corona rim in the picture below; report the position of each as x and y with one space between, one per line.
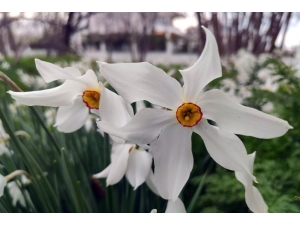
91 99
189 114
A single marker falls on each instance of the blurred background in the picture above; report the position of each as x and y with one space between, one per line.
260 56
155 37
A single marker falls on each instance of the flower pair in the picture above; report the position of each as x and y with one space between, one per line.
168 130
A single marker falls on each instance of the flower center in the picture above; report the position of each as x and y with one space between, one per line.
189 114
91 99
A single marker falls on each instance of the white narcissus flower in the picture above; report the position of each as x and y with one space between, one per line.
188 110
125 158
3 183
75 97
129 161
16 194
254 200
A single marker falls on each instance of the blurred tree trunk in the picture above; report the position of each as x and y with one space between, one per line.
147 20
256 36
68 31
217 31
256 32
201 34
286 24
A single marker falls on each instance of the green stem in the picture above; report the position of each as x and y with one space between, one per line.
199 189
2 209
38 116
35 169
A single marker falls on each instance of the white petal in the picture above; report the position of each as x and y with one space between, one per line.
119 161
139 105
144 127
261 206
244 178
150 182
90 79
114 109
207 68
254 200
73 71
176 206
2 184
72 117
104 173
101 132
173 160
143 81
234 118
139 165
55 97
51 72
225 148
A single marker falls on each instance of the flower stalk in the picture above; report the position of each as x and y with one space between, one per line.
17 173
9 82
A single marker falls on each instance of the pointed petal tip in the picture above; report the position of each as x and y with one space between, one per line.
254 179
101 64
95 176
38 61
205 29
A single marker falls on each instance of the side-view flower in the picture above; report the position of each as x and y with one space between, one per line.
187 110
129 161
75 97
126 159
